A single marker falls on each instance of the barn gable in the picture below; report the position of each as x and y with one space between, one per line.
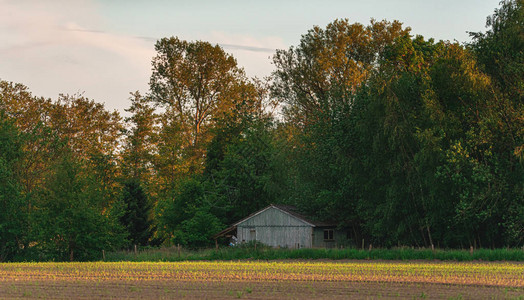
273 216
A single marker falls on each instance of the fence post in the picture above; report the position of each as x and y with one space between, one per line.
136 251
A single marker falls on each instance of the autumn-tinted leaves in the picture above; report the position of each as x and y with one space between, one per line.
399 139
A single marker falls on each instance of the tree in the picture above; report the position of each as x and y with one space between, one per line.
92 134
241 171
140 142
500 49
71 222
500 52
13 215
317 83
136 218
31 116
428 164
404 140
86 126
326 69
196 83
138 158
188 216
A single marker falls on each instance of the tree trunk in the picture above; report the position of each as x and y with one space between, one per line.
429 236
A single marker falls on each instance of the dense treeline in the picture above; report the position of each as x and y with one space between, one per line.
401 140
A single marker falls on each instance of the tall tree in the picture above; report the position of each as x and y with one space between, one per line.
92 134
500 52
241 172
13 215
137 208
87 126
72 222
328 66
196 82
317 82
31 115
140 143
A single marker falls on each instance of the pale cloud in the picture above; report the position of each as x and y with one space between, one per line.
58 47
253 53
54 53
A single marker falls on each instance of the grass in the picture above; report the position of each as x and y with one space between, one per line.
267 253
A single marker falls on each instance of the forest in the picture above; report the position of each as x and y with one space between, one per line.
399 139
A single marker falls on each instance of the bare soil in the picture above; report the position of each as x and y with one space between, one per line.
122 281
168 289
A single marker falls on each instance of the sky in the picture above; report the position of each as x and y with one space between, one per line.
103 49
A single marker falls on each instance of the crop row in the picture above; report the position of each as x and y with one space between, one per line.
493 274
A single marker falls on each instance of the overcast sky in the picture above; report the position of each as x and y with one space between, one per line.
103 49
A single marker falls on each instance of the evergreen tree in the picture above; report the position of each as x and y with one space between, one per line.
136 218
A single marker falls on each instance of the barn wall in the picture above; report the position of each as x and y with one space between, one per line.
319 242
276 228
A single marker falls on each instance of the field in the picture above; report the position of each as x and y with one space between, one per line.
263 280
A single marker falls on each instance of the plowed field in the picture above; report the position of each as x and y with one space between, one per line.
263 280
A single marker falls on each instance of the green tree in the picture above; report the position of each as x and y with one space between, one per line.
429 168
71 222
500 52
317 82
187 217
13 217
30 115
140 142
136 218
241 171
500 49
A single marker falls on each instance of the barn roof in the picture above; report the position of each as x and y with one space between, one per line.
293 210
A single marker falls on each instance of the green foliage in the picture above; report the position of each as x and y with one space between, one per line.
500 52
136 217
500 49
71 223
187 217
239 178
400 140
418 152
140 140
197 230
241 174
325 70
13 214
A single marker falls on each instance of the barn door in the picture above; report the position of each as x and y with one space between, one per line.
252 235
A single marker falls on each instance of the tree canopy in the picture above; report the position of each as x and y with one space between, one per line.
400 140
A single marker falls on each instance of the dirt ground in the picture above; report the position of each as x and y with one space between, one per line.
178 281
165 289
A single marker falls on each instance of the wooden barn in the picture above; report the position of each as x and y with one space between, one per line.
283 226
